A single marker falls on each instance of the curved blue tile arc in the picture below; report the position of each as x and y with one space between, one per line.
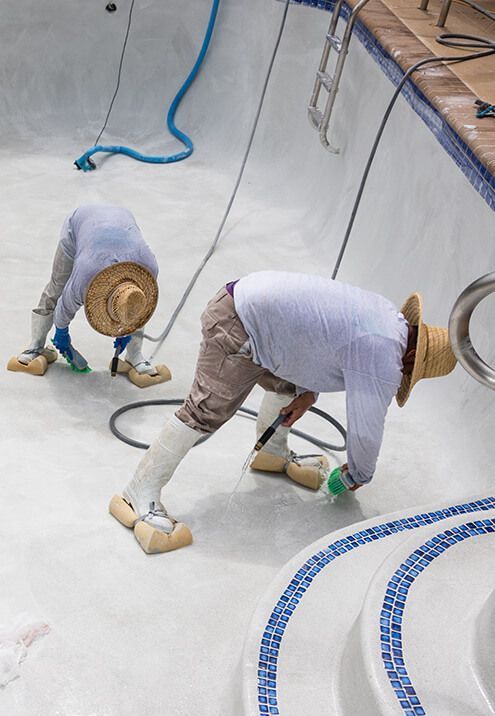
394 604
291 597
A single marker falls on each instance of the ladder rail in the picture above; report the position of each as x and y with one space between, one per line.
324 60
320 120
332 95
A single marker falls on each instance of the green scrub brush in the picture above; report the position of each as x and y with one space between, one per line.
334 482
75 368
77 362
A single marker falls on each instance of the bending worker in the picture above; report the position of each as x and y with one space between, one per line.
103 263
295 335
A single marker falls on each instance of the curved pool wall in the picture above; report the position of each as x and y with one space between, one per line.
60 62
422 226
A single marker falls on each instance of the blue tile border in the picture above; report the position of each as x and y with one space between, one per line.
476 173
291 597
394 604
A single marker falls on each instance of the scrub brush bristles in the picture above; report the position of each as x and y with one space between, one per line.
73 367
83 366
334 483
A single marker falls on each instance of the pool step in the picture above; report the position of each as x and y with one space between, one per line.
385 616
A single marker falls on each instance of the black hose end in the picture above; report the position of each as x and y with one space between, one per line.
114 366
265 437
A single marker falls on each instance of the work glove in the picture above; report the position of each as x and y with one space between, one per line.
62 342
121 343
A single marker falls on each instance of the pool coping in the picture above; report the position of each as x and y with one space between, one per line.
436 94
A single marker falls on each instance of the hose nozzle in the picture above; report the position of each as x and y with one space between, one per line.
265 437
115 363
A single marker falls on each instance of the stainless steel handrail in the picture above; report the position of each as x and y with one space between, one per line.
459 329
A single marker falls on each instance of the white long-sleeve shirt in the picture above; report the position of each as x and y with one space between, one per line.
328 336
95 236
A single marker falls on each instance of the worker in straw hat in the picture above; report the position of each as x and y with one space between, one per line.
296 336
102 263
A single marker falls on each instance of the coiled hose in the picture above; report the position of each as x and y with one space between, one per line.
243 411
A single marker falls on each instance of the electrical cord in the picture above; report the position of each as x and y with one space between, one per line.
479 8
460 41
119 73
86 163
161 338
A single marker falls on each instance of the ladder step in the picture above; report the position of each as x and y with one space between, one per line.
325 79
335 42
316 117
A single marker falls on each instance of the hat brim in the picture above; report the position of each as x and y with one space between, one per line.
101 288
412 311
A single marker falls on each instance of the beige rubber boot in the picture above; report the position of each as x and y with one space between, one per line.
37 357
138 369
161 374
151 540
140 507
309 471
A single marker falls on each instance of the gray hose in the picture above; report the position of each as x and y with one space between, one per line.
449 40
242 411
160 339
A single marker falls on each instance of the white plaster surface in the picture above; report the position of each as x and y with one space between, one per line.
165 634
330 657
439 628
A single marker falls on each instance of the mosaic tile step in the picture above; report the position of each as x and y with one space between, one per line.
361 621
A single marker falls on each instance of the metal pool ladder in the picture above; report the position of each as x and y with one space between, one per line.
459 330
320 119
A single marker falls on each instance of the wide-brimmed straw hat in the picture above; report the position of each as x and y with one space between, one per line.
121 299
434 356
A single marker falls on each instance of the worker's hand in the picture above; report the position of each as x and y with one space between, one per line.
297 408
121 343
62 343
345 468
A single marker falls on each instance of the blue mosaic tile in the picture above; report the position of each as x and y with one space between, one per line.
394 662
397 588
477 174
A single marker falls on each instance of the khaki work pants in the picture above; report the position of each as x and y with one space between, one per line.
225 373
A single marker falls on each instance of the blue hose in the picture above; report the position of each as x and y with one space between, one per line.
87 164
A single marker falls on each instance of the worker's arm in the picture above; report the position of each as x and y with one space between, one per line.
367 401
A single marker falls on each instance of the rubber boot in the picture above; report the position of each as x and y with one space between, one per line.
140 506
138 369
309 471
36 357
